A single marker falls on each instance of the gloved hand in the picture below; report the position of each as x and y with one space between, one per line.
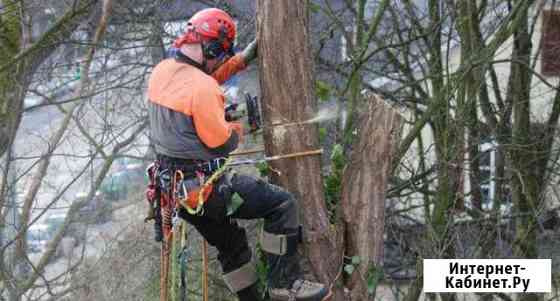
238 128
250 52
231 111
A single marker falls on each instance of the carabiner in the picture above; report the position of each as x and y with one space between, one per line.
180 188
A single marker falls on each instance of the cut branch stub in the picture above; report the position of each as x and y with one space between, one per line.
364 190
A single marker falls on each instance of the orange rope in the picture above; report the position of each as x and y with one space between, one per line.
164 267
204 270
167 229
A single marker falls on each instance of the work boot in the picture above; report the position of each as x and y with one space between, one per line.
286 281
285 278
243 281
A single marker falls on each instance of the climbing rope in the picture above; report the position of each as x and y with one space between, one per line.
183 257
179 257
215 176
173 199
169 244
164 268
204 270
177 266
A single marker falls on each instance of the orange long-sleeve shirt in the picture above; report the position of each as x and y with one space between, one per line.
187 117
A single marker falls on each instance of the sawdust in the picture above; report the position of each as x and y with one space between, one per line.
325 114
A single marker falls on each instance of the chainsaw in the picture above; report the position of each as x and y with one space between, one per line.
251 111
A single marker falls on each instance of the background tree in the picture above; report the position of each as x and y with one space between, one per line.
83 117
22 56
460 74
438 61
290 98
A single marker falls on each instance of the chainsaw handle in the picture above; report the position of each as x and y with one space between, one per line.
253 113
231 113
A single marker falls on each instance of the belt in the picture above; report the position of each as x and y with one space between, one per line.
211 166
191 166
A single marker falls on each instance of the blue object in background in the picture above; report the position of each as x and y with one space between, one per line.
171 52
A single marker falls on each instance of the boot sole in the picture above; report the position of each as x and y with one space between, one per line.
327 297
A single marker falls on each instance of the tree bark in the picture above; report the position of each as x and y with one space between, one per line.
364 191
288 95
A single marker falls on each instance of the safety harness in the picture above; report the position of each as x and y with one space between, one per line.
177 182
187 183
174 183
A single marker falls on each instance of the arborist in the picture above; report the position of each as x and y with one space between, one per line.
192 140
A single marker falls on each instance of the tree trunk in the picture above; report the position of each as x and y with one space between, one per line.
12 88
525 194
364 190
288 95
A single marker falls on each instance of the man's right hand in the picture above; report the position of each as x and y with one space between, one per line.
238 128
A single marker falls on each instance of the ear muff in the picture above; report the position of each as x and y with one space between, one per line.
215 48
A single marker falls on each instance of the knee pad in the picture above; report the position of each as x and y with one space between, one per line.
241 278
281 244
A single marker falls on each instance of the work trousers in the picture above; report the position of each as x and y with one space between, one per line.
260 200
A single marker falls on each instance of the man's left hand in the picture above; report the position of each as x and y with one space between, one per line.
250 52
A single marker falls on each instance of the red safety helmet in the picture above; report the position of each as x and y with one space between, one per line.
213 28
